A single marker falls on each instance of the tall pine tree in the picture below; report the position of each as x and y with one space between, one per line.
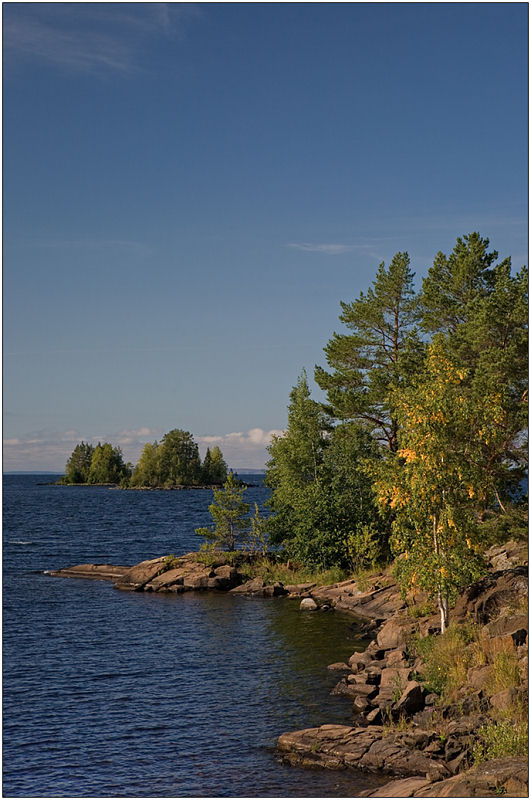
381 352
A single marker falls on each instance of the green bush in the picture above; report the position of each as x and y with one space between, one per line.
446 657
501 738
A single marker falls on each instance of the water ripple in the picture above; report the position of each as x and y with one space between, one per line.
122 694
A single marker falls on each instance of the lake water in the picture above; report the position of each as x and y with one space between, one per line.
118 694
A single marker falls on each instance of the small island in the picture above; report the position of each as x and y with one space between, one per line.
174 463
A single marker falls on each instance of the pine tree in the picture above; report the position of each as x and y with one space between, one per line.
230 514
321 495
107 465
214 468
381 352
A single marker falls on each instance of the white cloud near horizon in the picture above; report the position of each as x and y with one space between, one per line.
49 450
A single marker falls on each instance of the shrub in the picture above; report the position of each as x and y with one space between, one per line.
447 658
505 672
500 738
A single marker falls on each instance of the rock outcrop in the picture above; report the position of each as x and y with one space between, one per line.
401 728
99 572
500 777
166 574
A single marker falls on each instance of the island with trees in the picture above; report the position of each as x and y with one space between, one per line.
173 463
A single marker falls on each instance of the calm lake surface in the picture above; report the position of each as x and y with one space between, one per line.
117 694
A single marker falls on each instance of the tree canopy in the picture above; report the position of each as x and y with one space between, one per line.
101 464
422 440
379 353
230 514
175 461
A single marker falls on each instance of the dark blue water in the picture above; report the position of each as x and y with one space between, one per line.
108 693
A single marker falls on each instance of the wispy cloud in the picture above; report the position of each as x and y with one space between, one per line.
328 248
50 450
90 37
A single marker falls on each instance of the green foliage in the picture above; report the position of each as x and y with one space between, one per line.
101 464
147 471
323 506
107 465
364 547
501 738
78 465
499 526
230 515
258 538
380 353
179 461
446 658
214 468
435 481
482 311
175 462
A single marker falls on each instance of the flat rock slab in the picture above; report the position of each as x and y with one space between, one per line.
405 787
379 603
99 572
368 749
507 777
138 576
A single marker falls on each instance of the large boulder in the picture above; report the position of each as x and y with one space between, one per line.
395 632
497 593
411 700
508 555
254 586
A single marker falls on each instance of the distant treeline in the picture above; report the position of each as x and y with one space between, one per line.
175 461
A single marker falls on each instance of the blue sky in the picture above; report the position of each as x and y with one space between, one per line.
191 189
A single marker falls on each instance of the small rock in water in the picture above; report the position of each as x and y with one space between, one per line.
308 604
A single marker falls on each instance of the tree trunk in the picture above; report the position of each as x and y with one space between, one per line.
442 602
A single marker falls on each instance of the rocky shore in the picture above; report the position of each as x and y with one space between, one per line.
399 727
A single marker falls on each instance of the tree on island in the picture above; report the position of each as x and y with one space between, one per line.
433 482
101 464
179 461
230 514
147 470
107 465
214 469
176 462
78 465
